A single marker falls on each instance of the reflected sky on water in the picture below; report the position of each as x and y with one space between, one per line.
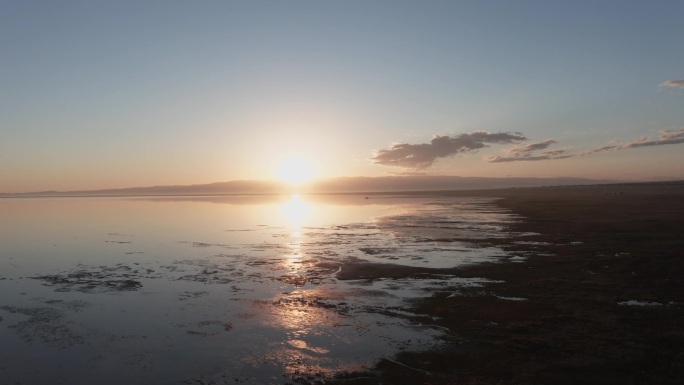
170 289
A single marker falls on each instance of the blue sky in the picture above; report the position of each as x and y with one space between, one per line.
103 94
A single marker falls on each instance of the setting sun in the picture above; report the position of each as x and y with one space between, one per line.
295 170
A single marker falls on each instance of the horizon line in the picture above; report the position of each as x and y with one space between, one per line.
111 193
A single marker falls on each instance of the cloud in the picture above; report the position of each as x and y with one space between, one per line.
407 173
598 149
673 84
421 156
526 149
557 154
528 152
503 159
666 137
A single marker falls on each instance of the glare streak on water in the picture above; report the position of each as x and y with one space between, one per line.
223 288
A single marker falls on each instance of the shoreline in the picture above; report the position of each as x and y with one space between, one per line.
590 290
493 191
599 299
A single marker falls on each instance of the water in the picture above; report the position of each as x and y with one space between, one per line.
256 289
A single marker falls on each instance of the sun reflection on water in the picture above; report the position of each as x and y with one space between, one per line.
297 312
296 212
309 337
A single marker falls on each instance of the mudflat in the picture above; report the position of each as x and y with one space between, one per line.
598 297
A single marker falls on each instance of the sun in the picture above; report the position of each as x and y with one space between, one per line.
296 170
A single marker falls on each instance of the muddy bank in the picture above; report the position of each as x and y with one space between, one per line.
599 300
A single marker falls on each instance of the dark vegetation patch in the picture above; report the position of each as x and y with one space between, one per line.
45 325
98 279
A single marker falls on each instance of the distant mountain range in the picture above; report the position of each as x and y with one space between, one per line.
334 185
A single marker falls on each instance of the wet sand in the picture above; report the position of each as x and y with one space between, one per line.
597 299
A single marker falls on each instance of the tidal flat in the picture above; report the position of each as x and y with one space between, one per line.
246 289
598 298
546 285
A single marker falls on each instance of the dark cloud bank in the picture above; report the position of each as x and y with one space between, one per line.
422 156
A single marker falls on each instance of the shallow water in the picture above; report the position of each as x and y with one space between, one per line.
254 289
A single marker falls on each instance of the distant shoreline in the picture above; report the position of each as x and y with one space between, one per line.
340 185
495 192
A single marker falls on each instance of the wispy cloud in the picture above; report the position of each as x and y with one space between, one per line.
528 148
407 173
421 156
528 152
415 157
597 149
556 153
666 137
673 83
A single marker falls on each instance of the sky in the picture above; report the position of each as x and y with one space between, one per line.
108 94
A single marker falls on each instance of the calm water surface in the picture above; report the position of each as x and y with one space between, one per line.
223 289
